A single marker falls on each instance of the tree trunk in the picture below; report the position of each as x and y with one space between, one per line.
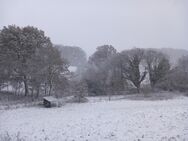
38 90
32 92
26 86
138 88
152 85
45 89
51 84
50 88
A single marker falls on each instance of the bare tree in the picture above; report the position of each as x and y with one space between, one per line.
118 82
179 77
157 65
98 69
132 60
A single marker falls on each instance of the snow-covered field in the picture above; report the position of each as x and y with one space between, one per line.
120 120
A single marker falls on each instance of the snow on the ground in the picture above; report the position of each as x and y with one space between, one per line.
120 120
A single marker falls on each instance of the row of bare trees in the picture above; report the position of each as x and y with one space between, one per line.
109 69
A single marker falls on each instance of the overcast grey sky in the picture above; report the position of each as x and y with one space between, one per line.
91 23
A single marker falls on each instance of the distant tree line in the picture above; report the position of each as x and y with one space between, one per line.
30 62
109 69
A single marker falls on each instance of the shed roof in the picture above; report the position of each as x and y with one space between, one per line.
50 98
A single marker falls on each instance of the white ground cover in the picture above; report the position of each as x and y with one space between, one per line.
120 120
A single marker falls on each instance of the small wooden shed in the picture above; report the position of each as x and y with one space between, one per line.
50 101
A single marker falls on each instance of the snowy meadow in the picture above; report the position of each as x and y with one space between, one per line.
100 120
